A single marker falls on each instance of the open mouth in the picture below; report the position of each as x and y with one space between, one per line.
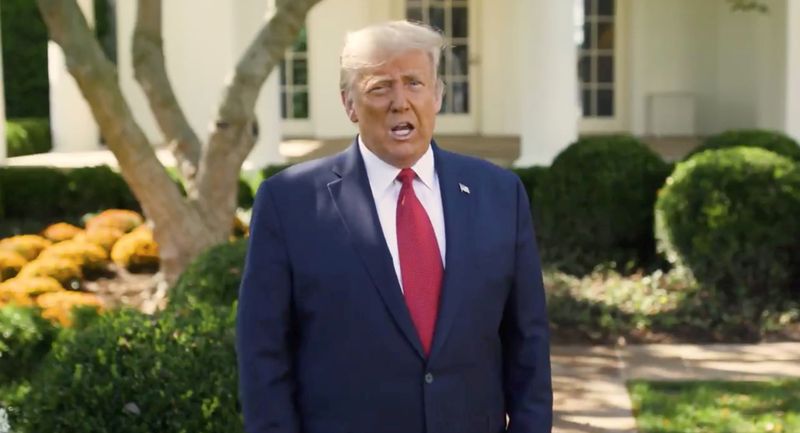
402 130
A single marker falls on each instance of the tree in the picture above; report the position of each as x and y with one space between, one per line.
183 226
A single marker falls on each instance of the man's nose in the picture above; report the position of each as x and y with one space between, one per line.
399 99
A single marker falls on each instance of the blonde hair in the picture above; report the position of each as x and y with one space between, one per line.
373 45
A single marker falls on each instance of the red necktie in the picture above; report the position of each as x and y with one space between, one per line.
420 260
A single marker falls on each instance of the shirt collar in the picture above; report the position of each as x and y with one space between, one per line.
381 174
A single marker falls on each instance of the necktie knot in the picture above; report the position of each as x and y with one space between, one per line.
406 176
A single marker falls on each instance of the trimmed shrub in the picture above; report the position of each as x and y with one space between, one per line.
59 306
244 198
121 219
130 373
731 217
59 232
136 251
773 141
91 258
28 136
93 189
25 339
27 90
65 271
597 206
104 237
10 264
33 192
533 178
28 246
213 277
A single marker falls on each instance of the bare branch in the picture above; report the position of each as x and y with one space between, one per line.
234 134
97 79
151 73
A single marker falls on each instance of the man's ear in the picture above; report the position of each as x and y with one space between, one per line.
439 94
349 107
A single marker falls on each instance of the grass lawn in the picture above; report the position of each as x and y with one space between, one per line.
717 407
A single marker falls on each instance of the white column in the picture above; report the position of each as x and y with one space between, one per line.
792 115
71 121
548 81
3 152
249 18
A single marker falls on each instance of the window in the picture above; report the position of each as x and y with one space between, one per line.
596 29
451 17
294 80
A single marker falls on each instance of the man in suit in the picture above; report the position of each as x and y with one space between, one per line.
395 287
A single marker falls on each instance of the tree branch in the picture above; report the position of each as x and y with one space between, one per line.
96 77
233 136
151 73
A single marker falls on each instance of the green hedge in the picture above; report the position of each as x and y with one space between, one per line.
731 216
131 373
597 204
24 340
27 136
773 141
533 178
213 277
93 189
24 35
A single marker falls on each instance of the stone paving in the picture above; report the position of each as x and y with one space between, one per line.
589 381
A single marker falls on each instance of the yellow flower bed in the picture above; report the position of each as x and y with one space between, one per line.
60 232
105 237
10 264
136 250
23 290
89 257
58 306
28 246
120 219
66 271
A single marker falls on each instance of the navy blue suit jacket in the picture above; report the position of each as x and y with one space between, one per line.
324 339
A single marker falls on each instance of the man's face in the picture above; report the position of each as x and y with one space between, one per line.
395 106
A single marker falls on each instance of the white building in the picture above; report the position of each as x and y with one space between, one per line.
523 77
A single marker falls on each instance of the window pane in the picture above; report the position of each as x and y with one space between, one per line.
414 14
283 104
584 69
586 102
605 7
587 7
587 35
300 42
605 103
605 36
283 73
437 18
460 22
605 69
460 61
460 97
300 72
442 63
300 105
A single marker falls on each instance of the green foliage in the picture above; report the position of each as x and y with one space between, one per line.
714 406
731 217
130 373
597 206
94 189
24 36
244 198
28 136
33 192
213 277
533 179
773 141
25 338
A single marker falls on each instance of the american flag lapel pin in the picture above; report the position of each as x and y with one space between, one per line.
463 188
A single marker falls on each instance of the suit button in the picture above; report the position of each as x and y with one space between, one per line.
428 378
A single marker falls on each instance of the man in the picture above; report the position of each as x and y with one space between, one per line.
394 287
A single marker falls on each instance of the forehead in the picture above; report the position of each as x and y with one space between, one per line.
415 62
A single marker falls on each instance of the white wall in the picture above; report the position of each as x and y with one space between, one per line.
501 71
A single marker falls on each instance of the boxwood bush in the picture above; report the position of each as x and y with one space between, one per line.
25 338
597 205
33 192
126 372
213 277
93 189
533 179
28 136
731 217
773 141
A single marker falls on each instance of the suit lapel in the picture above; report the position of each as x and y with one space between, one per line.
456 206
353 198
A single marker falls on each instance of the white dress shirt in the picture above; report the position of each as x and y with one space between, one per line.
386 188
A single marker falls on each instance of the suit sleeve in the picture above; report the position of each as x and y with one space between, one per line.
264 326
525 335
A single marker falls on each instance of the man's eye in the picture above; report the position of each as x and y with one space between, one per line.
377 89
415 83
